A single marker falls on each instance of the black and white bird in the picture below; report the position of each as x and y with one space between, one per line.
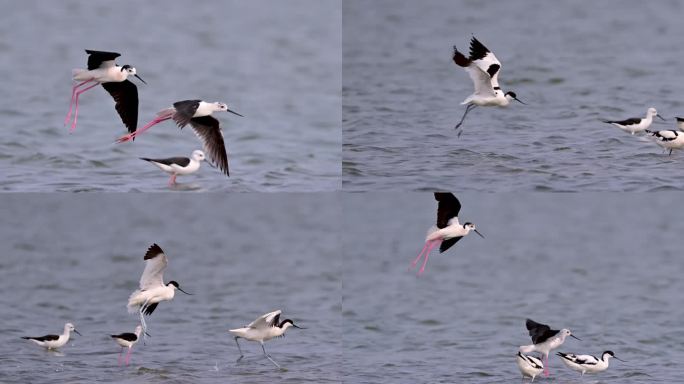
587 363
197 113
264 328
178 165
114 79
668 139
483 68
680 123
529 366
636 124
127 340
152 288
448 230
544 340
54 341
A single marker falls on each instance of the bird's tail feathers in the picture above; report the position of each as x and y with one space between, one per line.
78 71
133 305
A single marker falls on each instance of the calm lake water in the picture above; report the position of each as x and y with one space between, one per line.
607 267
574 63
78 257
277 63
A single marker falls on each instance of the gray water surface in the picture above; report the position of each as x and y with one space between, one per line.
277 63
574 63
607 267
78 257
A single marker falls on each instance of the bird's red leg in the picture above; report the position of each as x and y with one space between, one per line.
71 103
147 126
172 180
78 93
427 255
413 264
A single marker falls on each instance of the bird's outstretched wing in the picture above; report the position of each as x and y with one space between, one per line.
208 131
539 332
265 320
185 110
125 96
448 207
485 60
155 264
100 59
446 244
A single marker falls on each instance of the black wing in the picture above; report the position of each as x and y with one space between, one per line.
125 95
96 58
477 50
460 59
539 332
185 110
632 121
448 208
446 244
208 130
150 308
153 251
125 336
274 321
182 161
42 338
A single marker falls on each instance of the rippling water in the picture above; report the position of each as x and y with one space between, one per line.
607 267
277 63
573 62
78 257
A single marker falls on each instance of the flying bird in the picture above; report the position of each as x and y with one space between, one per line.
152 288
114 79
448 230
197 113
483 68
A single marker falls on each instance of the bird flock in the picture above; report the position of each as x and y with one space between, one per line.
102 70
151 292
447 232
484 68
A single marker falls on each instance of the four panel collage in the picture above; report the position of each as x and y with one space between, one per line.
341 191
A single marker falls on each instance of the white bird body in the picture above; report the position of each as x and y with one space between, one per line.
547 346
264 328
179 165
54 341
586 363
152 288
454 229
128 342
636 124
529 366
668 139
103 75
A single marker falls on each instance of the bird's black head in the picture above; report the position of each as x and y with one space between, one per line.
609 353
286 321
175 284
513 96
125 67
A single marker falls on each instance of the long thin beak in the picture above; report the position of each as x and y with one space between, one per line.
296 326
661 118
234 113
571 335
148 334
79 333
184 291
518 100
476 231
140 78
615 357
